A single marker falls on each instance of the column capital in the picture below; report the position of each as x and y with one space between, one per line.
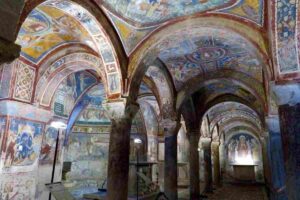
9 51
170 127
193 133
120 109
214 143
286 93
273 123
205 142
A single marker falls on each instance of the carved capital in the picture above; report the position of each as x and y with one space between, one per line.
120 109
170 127
8 51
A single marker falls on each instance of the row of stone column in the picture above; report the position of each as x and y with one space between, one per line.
118 164
290 129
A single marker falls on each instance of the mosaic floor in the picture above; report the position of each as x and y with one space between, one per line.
232 192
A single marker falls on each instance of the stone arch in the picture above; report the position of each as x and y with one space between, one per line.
237 78
155 42
60 69
109 47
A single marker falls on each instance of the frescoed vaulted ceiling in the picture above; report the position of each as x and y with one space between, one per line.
211 50
135 19
47 28
149 12
232 114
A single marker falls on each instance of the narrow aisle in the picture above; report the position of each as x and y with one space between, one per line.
239 192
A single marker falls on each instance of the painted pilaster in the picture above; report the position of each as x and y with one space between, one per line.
288 100
275 155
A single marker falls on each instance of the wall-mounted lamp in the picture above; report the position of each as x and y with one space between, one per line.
58 125
138 141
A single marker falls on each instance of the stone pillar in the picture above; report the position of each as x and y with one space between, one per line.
193 137
216 160
119 146
222 157
290 133
276 163
9 51
206 145
171 129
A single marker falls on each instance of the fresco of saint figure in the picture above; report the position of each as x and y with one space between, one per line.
243 148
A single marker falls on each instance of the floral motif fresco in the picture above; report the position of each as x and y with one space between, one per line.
157 11
187 58
22 147
69 91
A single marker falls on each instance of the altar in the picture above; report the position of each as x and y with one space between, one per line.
244 172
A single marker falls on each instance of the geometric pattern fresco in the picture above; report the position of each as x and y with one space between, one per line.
24 82
199 55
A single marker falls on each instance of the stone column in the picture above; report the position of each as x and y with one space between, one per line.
9 51
206 145
171 129
216 160
193 137
290 133
276 163
222 157
121 115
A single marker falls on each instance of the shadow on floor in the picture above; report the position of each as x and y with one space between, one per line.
232 192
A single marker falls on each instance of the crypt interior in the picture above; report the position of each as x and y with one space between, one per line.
149 99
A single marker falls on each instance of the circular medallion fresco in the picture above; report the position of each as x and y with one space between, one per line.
207 54
35 24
